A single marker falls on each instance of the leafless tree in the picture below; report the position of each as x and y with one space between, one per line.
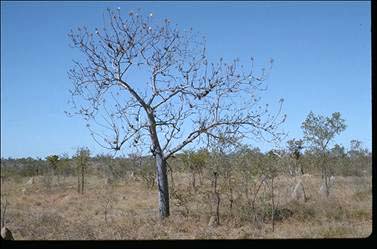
151 85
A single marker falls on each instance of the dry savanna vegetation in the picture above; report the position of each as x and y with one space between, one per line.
119 200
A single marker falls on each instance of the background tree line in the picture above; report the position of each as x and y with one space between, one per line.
355 161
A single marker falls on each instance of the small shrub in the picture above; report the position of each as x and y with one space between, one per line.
302 211
182 198
360 214
334 232
281 213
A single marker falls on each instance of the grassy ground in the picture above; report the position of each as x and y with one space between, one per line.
128 210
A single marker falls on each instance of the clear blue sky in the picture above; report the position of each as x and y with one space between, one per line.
321 52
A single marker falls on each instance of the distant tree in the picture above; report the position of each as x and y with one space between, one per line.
38 167
178 87
338 151
271 171
251 166
319 131
53 162
295 148
356 148
82 158
339 160
147 172
360 157
195 162
29 166
64 165
111 166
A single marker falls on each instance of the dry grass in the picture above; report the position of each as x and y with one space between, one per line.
128 210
